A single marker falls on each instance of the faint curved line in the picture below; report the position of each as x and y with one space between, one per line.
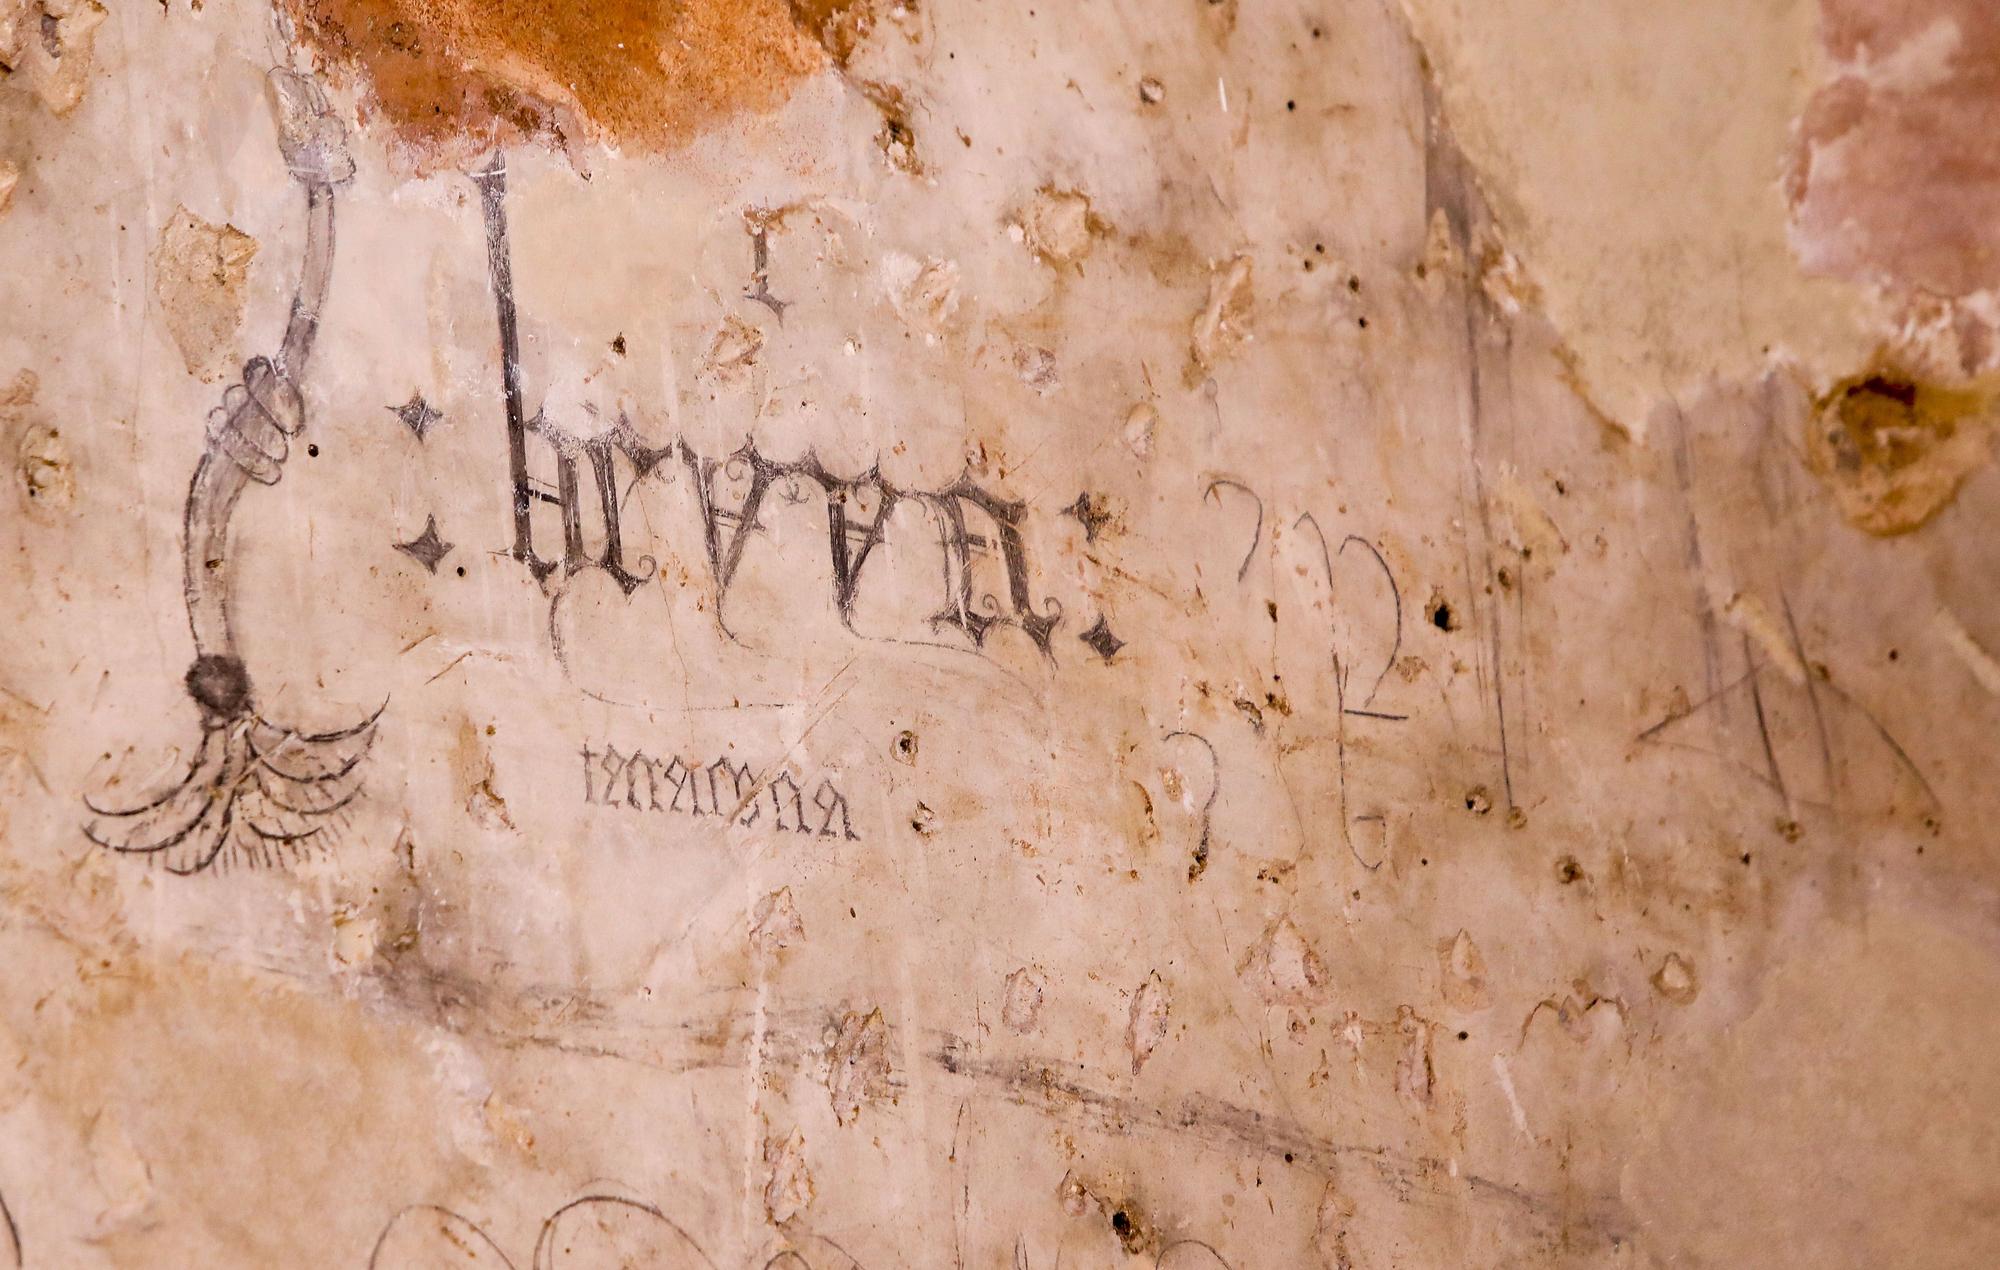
222 833
13 1232
1178 1244
1214 786
269 836
194 765
375 1254
265 790
1256 534
1356 851
207 807
319 778
1332 596
799 1257
545 1262
317 738
1395 592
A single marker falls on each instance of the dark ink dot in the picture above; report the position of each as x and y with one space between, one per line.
1319 249
1271 607
461 571
1425 861
1291 105
312 451
1363 322
1746 857
1441 616
1568 870
1893 654
1121 1223
618 344
1288 1157
1463 1035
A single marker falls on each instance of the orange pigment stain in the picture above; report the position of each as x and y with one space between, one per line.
453 78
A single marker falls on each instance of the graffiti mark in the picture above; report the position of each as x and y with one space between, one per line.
759 225
593 1232
637 781
973 523
1256 534
255 790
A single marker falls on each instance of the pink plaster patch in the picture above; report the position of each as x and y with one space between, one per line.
1894 178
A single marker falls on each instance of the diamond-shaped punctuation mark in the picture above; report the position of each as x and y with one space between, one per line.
1100 638
417 415
426 548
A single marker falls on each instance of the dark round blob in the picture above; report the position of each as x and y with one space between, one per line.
220 686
